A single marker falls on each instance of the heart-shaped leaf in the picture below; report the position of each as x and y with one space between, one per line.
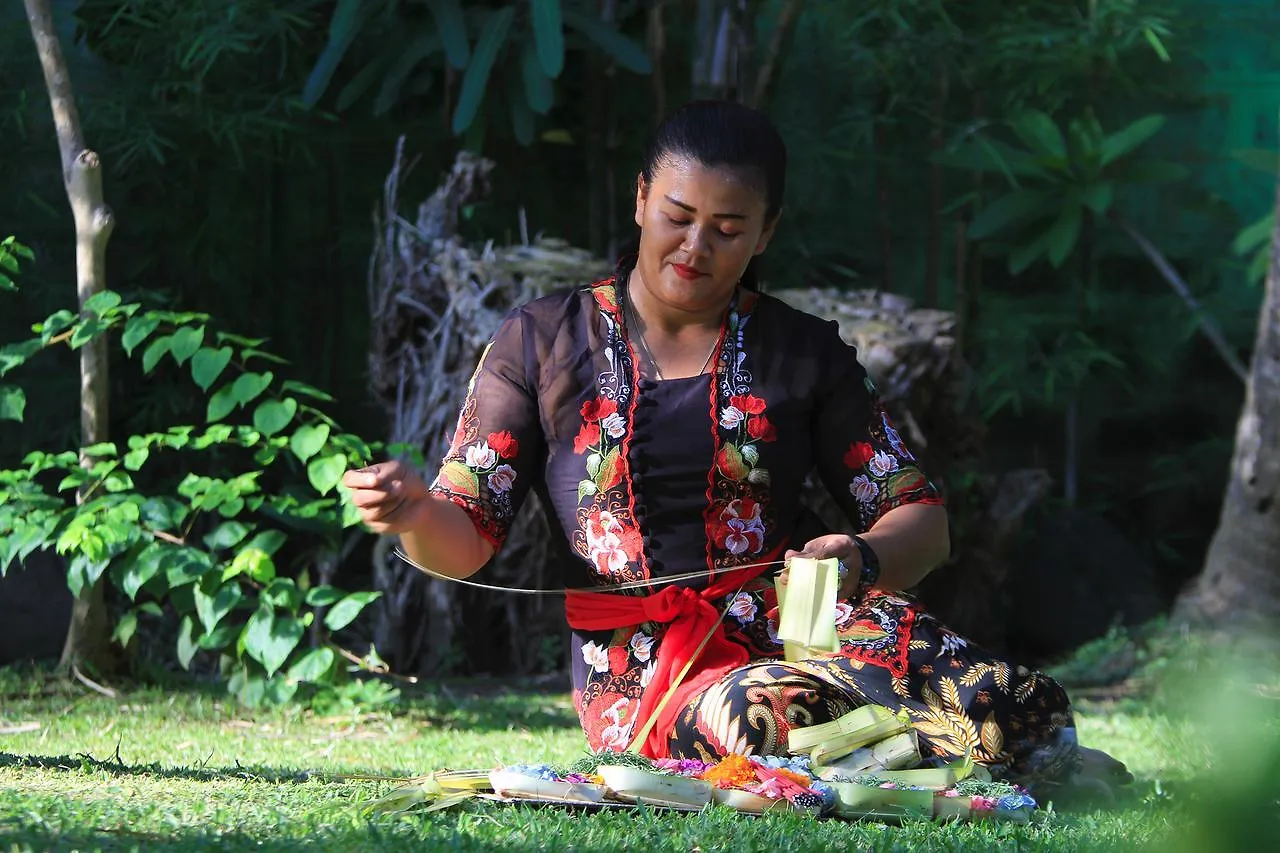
271 416
326 472
185 342
346 610
308 440
269 638
248 386
214 599
313 665
221 404
207 365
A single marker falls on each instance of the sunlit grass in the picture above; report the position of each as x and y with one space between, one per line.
190 770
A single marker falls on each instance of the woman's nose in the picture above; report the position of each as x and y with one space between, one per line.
695 242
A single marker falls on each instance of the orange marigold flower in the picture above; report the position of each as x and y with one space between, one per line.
733 771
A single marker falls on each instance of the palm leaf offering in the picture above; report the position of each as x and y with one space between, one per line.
879 779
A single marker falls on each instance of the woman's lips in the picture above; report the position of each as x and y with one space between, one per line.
687 273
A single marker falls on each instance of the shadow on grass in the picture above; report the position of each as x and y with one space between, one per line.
241 772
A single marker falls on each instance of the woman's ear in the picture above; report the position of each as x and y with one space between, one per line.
767 234
642 195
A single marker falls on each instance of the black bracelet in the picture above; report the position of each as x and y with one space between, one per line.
870 567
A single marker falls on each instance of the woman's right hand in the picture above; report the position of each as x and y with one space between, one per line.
389 495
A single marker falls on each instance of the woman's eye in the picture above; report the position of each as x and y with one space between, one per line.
729 235
675 221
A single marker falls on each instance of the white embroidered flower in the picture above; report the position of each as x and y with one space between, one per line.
617 735
759 476
502 479
641 646
731 417
882 464
647 674
596 656
844 612
481 456
895 440
771 626
951 643
744 607
750 454
614 426
864 489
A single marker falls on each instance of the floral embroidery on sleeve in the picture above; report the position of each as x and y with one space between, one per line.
884 471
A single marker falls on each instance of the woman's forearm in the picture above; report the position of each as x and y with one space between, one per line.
910 541
444 540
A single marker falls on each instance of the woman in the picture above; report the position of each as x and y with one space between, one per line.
667 417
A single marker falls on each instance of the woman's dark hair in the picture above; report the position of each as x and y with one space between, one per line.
723 134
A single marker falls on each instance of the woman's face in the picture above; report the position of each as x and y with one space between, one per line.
699 228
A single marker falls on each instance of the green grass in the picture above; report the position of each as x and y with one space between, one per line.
190 770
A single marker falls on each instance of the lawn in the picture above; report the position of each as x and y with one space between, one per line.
190 770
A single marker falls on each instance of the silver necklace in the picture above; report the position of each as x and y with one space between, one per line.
630 309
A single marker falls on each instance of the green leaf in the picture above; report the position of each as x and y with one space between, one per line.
83 572
414 52
248 386
284 594
221 404
345 611
1262 160
271 416
142 569
268 541
215 599
270 638
207 365
187 645
294 387
593 464
1063 234
55 323
136 458
1014 209
14 355
621 48
548 33
313 666
326 472
253 562
154 352
220 637
186 341
492 36
85 332
1039 133
1254 236
537 86
348 17
226 535
1156 44
453 31
1026 254
125 628
1257 272
1097 197
102 302
13 403
323 596
1122 142
308 440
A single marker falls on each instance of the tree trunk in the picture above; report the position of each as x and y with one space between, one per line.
768 73
1241 578
88 638
657 52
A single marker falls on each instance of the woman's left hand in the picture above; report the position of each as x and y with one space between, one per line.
833 545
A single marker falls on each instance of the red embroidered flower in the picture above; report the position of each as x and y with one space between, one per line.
587 436
611 542
761 428
618 659
741 530
594 411
749 403
858 455
504 443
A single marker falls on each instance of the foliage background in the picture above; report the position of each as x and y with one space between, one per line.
238 197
